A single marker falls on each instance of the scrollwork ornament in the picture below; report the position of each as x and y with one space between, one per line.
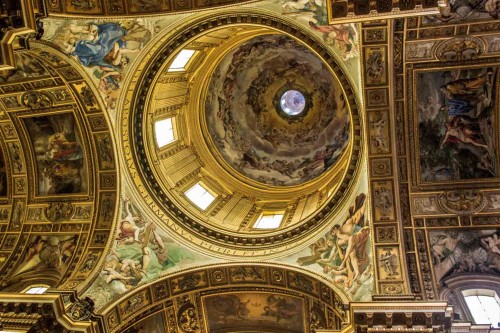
36 100
462 202
277 276
187 316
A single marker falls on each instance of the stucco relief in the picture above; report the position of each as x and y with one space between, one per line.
467 251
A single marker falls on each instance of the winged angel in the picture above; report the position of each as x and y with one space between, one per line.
344 252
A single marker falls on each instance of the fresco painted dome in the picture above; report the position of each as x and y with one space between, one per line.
275 112
265 141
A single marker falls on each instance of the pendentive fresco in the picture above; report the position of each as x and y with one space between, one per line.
105 48
342 37
141 252
344 253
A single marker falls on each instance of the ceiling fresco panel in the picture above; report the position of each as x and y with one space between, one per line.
151 324
59 154
251 311
456 114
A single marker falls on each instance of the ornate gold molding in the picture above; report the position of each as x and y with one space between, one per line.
10 39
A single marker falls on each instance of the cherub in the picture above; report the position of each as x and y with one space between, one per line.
114 275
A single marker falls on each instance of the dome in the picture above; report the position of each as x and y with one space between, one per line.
275 113
245 137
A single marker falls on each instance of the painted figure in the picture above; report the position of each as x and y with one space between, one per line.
471 251
314 13
343 252
106 48
458 140
59 154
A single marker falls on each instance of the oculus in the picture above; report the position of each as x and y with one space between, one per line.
292 102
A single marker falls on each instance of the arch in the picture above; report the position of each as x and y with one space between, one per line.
64 172
457 285
323 305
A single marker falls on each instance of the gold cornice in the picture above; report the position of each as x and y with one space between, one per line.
7 44
168 13
49 304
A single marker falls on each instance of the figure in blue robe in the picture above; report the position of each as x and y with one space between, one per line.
93 52
456 107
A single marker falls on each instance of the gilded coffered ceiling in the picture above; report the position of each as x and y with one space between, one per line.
59 178
277 166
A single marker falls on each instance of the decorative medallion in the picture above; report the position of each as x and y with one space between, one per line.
82 309
58 211
462 202
460 48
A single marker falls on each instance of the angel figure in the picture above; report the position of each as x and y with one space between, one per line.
352 236
130 226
